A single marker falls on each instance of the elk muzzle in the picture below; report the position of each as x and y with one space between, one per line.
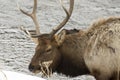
43 67
34 69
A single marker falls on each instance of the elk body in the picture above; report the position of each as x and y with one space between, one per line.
96 49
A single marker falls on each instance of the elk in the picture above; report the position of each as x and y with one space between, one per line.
95 50
56 50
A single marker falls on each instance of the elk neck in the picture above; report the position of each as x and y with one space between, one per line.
72 51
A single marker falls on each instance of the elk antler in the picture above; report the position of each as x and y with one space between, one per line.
34 18
68 14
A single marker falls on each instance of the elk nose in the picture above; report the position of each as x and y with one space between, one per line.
31 67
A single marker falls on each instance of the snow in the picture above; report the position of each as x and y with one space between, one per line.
9 75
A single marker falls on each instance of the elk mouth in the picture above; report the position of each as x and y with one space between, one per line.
45 68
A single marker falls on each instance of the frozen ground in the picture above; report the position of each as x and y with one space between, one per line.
16 49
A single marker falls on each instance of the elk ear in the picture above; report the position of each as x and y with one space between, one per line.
60 37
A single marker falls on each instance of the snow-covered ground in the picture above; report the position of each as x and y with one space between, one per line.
16 50
10 75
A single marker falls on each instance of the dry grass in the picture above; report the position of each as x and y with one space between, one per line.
45 68
3 75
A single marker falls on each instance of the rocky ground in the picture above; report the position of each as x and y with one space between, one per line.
16 49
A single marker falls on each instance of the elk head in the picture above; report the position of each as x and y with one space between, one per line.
47 55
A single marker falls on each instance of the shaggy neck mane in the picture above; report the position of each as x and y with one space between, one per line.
98 23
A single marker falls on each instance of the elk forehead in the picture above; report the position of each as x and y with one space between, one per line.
44 38
44 45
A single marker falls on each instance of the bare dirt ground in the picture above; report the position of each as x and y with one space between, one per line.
16 49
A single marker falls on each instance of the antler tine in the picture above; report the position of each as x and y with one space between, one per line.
33 16
35 7
68 14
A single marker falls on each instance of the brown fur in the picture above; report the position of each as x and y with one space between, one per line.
98 48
